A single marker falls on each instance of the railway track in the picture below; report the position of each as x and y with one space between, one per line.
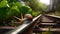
49 21
41 23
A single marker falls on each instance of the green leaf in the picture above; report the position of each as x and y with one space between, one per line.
25 10
13 11
3 3
14 7
19 4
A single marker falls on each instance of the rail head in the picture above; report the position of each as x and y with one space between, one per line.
52 16
20 29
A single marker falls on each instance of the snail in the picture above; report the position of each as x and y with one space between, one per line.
26 16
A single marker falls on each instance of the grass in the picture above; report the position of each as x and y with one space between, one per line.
55 13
